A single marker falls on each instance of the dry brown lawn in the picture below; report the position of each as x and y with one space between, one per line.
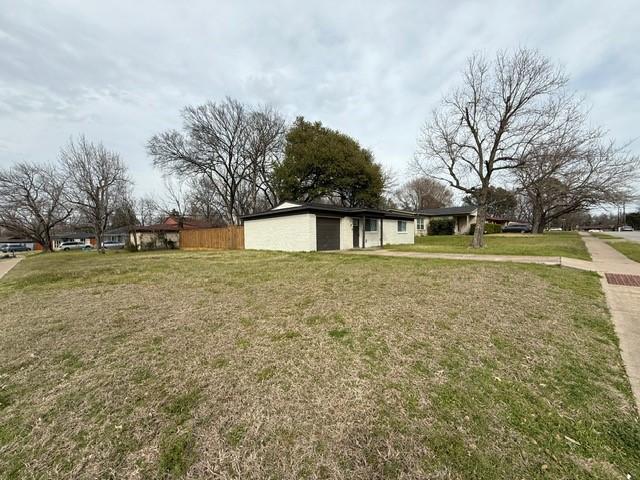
272 365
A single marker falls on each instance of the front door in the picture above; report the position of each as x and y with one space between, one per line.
356 233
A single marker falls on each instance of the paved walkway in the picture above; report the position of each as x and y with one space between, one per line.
563 261
7 264
624 303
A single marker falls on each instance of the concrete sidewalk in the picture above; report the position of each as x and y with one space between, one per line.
7 264
624 303
560 261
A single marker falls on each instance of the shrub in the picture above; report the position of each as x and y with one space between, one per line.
441 226
488 228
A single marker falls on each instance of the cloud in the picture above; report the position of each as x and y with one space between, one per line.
121 71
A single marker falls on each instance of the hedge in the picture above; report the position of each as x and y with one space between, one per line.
488 228
441 226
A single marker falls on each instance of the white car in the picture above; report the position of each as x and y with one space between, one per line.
66 246
112 245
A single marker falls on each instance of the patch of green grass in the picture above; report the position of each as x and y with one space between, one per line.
339 333
176 453
265 374
628 249
604 236
180 407
235 435
553 244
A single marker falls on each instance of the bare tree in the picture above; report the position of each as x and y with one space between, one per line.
229 144
147 210
265 147
490 123
423 192
575 174
97 182
32 201
204 202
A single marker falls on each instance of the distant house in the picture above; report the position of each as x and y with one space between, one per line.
22 241
157 235
463 218
305 227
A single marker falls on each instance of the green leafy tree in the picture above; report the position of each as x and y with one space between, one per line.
500 202
324 164
633 219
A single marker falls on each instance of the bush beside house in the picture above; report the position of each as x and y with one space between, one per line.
488 228
441 226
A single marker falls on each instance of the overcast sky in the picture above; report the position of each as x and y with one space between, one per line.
120 71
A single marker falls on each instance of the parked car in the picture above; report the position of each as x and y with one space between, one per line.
555 229
66 246
112 245
595 230
517 228
626 228
14 248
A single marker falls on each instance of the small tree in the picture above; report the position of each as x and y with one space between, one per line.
490 123
423 192
32 201
97 182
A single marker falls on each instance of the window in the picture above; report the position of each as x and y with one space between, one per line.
402 226
420 224
370 225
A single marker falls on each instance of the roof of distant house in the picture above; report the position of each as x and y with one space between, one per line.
187 222
72 235
446 211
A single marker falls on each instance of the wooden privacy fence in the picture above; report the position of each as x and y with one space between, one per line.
225 238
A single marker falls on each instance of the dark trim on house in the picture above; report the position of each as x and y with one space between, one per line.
332 210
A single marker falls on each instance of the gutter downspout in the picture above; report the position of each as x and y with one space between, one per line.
363 229
381 224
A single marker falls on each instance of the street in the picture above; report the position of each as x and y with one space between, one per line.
631 236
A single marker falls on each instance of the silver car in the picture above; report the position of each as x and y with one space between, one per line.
66 246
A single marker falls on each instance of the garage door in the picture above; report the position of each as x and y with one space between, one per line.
327 233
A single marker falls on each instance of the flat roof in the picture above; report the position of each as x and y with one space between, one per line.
437 212
332 210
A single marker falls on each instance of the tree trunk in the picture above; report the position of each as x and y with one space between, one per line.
538 217
481 219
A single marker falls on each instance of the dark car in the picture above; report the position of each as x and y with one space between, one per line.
517 228
14 248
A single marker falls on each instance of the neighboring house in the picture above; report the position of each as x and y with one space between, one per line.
298 227
156 235
25 242
120 235
463 218
82 237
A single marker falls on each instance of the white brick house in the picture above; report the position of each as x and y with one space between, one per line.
310 227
